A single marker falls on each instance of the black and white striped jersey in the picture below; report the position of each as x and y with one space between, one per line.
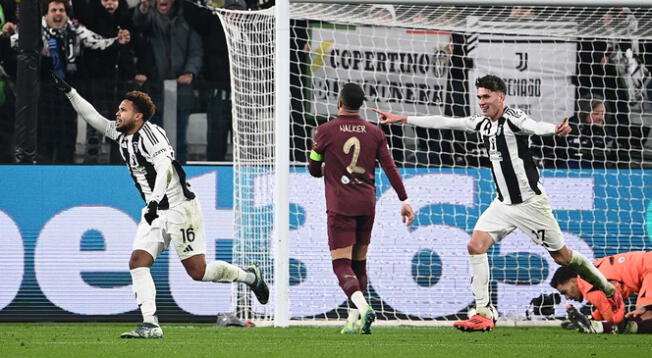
148 155
507 143
142 152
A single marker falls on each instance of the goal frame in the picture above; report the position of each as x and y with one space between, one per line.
282 114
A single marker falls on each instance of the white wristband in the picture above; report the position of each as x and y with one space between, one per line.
406 201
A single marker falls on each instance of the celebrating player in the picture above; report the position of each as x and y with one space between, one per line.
345 151
521 201
172 212
632 271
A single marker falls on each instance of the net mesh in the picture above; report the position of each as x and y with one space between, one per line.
589 65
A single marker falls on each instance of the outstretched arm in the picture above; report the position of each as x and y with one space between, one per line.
86 110
435 122
530 126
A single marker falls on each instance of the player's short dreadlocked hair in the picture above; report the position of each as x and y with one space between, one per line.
352 96
563 274
492 83
143 103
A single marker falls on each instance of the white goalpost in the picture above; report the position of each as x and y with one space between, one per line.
559 58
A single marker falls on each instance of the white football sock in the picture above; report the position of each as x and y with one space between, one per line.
354 315
479 269
145 291
580 264
359 301
222 271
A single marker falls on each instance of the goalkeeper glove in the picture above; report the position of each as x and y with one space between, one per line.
60 84
151 214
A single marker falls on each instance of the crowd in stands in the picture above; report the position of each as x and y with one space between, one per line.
108 47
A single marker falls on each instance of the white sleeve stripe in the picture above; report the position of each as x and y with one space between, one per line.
148 133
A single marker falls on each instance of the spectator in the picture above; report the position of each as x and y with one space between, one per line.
108 74
216 73
62 41
591 143
602 69
177 54
7 76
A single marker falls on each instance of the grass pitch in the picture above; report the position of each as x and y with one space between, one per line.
203 340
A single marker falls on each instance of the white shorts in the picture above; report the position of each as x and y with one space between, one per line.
533 217
182 224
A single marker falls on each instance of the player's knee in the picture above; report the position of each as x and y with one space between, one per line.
475 247
139 259
561 260
562 257
196 274
480 243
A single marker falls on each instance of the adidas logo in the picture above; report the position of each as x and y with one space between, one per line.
188 249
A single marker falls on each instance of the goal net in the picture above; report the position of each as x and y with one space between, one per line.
587 64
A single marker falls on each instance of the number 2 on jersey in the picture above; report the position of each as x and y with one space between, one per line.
355 143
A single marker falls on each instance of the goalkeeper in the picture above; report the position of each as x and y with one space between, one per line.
630 272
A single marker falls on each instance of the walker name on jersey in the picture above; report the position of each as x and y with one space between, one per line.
73 255
353 128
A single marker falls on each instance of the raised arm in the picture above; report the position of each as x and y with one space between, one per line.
86 110
435 122
143 14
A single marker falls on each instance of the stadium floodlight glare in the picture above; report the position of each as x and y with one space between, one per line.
416 58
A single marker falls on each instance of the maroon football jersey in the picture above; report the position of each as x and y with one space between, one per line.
350 147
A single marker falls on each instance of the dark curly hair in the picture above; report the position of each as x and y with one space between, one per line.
142 103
